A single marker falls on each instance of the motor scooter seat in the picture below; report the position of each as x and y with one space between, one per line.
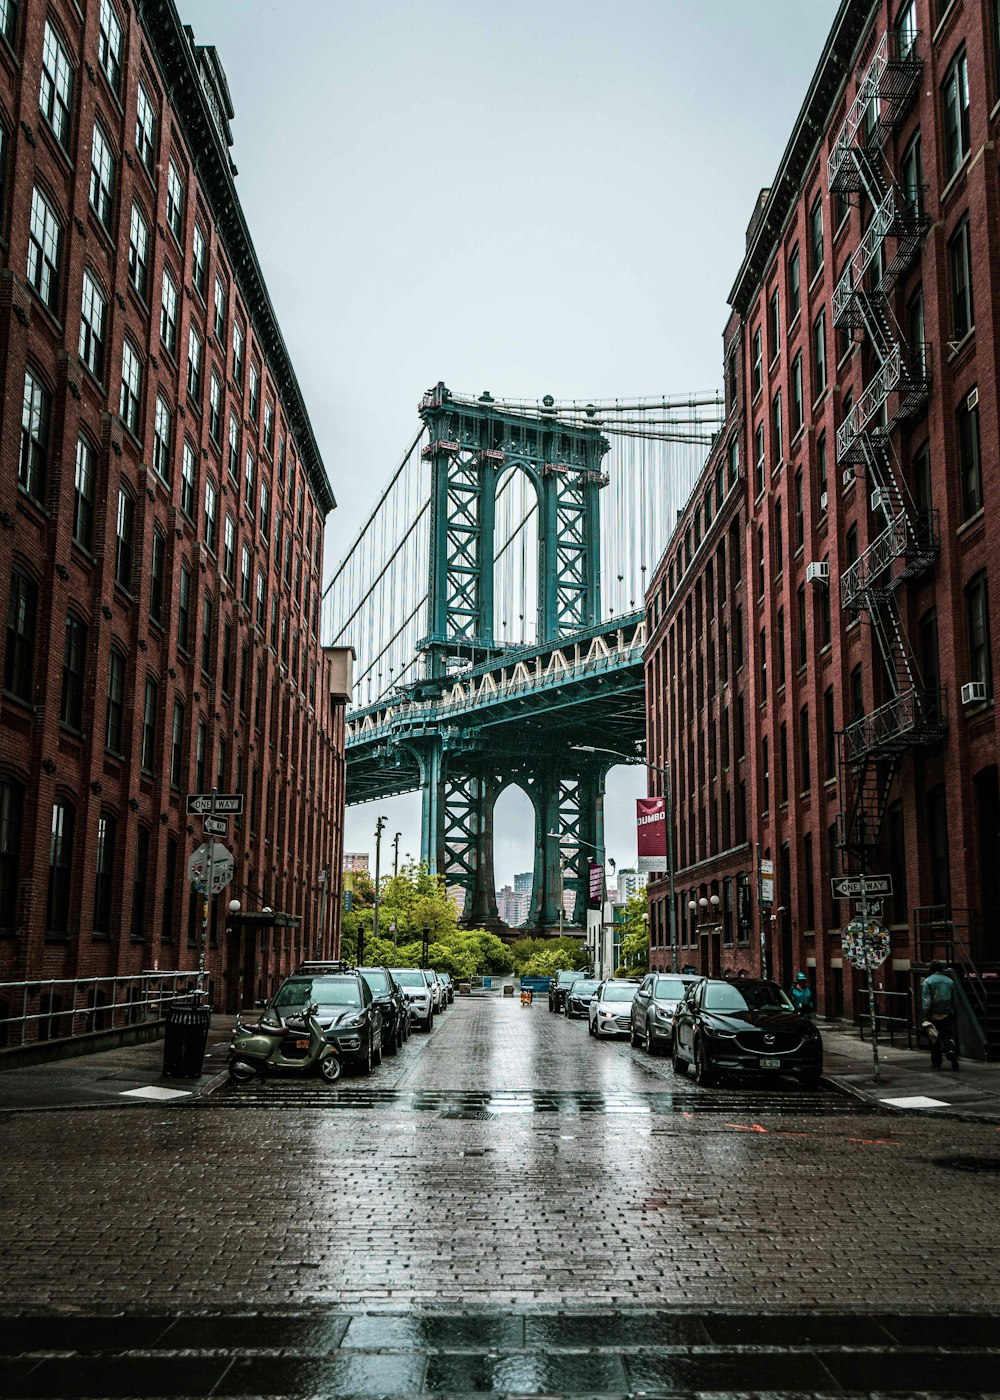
265 1028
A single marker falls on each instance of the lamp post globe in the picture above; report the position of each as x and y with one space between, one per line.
235 906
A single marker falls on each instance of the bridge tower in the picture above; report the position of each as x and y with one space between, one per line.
471 446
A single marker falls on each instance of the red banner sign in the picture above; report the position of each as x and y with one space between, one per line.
596 884
651 833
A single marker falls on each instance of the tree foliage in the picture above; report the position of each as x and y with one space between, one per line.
634 944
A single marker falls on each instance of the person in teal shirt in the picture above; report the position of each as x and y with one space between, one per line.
937 1005
801 994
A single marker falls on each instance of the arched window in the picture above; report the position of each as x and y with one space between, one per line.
60 866
107 834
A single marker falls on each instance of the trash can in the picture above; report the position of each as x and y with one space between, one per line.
184 1039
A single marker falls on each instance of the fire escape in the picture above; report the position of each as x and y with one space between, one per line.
897 387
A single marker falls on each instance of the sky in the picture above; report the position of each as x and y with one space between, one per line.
527 197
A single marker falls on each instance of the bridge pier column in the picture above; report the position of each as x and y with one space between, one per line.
570 803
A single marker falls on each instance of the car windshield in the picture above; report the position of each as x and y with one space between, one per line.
409 977
377 981
748 996
325 991
585 989
625 992
563 979
668 989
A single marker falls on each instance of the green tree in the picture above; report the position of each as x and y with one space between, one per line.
568 952
635 937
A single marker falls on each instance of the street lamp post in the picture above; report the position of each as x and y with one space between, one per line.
378 858
702 908
668 798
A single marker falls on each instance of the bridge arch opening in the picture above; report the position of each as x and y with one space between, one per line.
516 602
514 854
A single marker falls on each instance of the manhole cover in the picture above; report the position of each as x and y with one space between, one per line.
969 1164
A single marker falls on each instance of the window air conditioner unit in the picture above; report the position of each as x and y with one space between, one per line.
973 399
848 476
822 500
818 572
973 692
879 500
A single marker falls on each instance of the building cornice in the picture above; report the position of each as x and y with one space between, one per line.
177 61
849 26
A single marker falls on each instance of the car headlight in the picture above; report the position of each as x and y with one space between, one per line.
719 1034
665 1013
351 1023
610 1014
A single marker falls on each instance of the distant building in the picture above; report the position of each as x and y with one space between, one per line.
355 861
629 883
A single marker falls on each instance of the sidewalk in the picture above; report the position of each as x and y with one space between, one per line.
907 1081
127 1074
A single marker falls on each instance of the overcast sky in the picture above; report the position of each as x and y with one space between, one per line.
527 197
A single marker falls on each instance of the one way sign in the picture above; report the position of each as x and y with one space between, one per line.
201 802
854 886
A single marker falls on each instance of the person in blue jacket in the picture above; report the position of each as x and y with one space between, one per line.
937 1005
801 994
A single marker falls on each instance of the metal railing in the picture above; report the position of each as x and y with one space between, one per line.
67 1007
897 1015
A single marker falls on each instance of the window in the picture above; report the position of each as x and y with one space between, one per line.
268 429
83 493
93 312
140 878
207 613
799 520
906 29
220 311
960 269
252 400
114 724
734 459
149 706
157 575
779 647
763 664
211 510
168 313
798 408
757 370
161 438
229 549
131 387
816 236
237 354
761 564
107 835
32 468
245 576
73 672
801 634
969 465
821 481
194 365
19 656
109 44
199 755
819 354
977 619
169 892
187 479
758 472
11 815
264 508
783 762
261 601
911 174
145 128
44 250
274 622
248 479
794 285
234 447
8 20
955 98
765 775
773 325
214 408
124 539
184 608
199 259
177 745
60 867
776 437
857 694
805 775
175 202
227 659
779 538
102 177
138 252
829 735
56 90
824 614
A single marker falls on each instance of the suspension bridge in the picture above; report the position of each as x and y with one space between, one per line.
494 597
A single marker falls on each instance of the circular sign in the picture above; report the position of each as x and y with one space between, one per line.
866 945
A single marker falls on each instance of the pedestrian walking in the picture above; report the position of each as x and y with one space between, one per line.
937 1005
801 994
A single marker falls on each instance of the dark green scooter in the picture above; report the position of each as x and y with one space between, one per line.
297 1046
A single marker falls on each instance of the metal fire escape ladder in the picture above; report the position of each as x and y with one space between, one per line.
872 745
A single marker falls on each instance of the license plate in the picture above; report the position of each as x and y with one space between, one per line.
770 1064
302 1045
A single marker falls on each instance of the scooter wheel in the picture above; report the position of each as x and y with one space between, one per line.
242 1071
330 1069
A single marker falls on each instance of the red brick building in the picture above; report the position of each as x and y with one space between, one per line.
868 372
162 501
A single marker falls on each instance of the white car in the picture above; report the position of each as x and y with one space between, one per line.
438 991
419 996
611 1008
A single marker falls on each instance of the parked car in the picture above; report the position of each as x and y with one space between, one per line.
449 986
560 985
745 1026
347 1011
419 996
388 996
610 1008
654 1006
578 996
437 991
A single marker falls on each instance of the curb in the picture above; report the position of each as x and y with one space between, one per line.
954 1114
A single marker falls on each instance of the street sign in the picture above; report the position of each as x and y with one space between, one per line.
854 886
866 945
215 826
223 867
199 802
871 907
767 882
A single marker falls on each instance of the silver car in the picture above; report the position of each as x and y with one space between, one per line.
610 1009
419 996
438 993
654 1006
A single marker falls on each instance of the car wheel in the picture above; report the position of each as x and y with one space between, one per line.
591 1028
377 1050
703 1072
811 1079
242 1071
651 1041
679 1066
329 1069
635 1040
429 1023
391 1046
365 1064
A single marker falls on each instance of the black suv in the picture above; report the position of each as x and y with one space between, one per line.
388 997
348 1013
559 986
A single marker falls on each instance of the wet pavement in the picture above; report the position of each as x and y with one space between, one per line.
507 1206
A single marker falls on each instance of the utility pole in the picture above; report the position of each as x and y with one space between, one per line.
378 864
324 880
395 856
